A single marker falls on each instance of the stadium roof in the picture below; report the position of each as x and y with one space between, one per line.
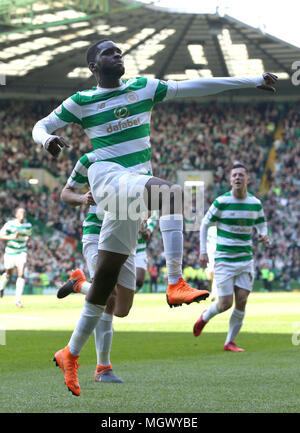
43 45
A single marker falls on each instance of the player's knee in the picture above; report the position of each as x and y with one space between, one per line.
241 303
122 311
111 303
139 284
224 305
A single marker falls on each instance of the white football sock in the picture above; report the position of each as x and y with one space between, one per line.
89 318
85 287
3 281
171 227
235 324
211 311
103 339
19 289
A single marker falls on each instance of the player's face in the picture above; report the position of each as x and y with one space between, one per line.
20 214
109 60
239 178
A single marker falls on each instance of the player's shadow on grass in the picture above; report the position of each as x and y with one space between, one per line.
34 349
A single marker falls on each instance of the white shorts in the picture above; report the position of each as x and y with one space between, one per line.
141 260
14 260
127 275
227 275
119 193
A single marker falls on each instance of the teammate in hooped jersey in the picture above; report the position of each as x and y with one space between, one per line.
17 233
235 214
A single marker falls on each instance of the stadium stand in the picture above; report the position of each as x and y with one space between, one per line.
184 135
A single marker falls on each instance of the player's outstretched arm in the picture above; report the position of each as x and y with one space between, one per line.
211 86
203 258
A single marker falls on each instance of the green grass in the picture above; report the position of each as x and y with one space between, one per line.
165 368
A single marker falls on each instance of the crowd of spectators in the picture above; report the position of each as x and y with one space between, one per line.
186 136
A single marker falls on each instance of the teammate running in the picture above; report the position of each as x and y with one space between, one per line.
235 214
120 301
16 232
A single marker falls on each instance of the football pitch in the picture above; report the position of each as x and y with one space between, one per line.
165 368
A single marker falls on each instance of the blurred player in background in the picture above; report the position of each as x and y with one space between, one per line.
235 213
16 232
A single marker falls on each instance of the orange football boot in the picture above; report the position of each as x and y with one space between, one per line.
182 293
69 365
232 347
73 285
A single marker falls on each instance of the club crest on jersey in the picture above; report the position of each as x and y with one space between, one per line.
121 112
132 97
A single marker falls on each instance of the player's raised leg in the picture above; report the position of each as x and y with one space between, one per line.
168 198
77 283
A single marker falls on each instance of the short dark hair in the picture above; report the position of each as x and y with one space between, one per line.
238 164
16 210
92 51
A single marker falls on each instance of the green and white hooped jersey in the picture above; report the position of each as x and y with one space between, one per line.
78 179
19 245
117 121
141 243
234 220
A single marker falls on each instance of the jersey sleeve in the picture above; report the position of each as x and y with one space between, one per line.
158 89
4 230
70 110
210 86
211 216
79 177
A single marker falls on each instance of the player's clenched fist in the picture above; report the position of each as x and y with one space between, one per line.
54 145
269 81
203 260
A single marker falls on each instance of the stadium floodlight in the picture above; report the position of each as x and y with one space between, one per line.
237 59
24 15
